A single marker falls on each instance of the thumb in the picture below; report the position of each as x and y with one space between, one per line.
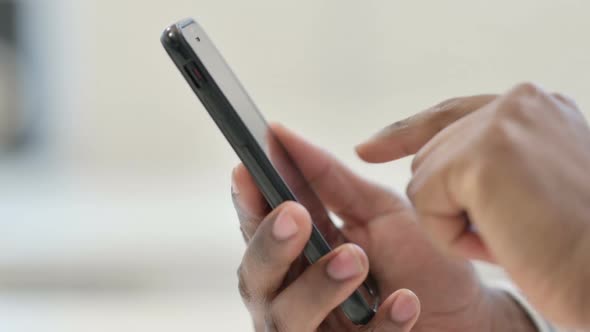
398 313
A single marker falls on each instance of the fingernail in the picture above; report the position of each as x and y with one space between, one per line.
284 227
346 264
234 187
404 309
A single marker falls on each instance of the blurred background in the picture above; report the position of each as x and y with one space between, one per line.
115 210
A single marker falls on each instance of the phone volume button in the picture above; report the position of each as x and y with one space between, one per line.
194 74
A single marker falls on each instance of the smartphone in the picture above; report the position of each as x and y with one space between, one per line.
273 170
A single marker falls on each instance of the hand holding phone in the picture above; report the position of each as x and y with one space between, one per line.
305 301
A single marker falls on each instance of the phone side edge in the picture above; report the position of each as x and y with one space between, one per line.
172 39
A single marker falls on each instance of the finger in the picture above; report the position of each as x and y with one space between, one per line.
406 137
249 203
453 137
277 243
398 313
351 197
439 213
428 190
320 289
445 164
442 138
432 192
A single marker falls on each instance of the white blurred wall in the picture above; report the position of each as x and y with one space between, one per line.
131 188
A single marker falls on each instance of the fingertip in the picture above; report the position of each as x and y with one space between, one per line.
348 262
405 307
282 132
378 151
368 153
299 214
361 151
398 313
277 126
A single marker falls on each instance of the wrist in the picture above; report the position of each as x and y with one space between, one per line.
507 314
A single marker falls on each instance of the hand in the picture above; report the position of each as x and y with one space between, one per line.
505 179
378 221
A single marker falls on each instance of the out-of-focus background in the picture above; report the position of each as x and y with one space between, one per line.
115 213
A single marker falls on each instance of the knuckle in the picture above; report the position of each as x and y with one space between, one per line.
514 107
262 250
521 100
527 89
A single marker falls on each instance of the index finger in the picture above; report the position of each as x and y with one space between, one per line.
406 137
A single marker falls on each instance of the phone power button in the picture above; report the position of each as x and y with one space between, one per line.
194 74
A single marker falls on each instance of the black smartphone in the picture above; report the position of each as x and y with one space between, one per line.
238 118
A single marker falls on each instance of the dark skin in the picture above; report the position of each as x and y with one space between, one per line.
422 289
